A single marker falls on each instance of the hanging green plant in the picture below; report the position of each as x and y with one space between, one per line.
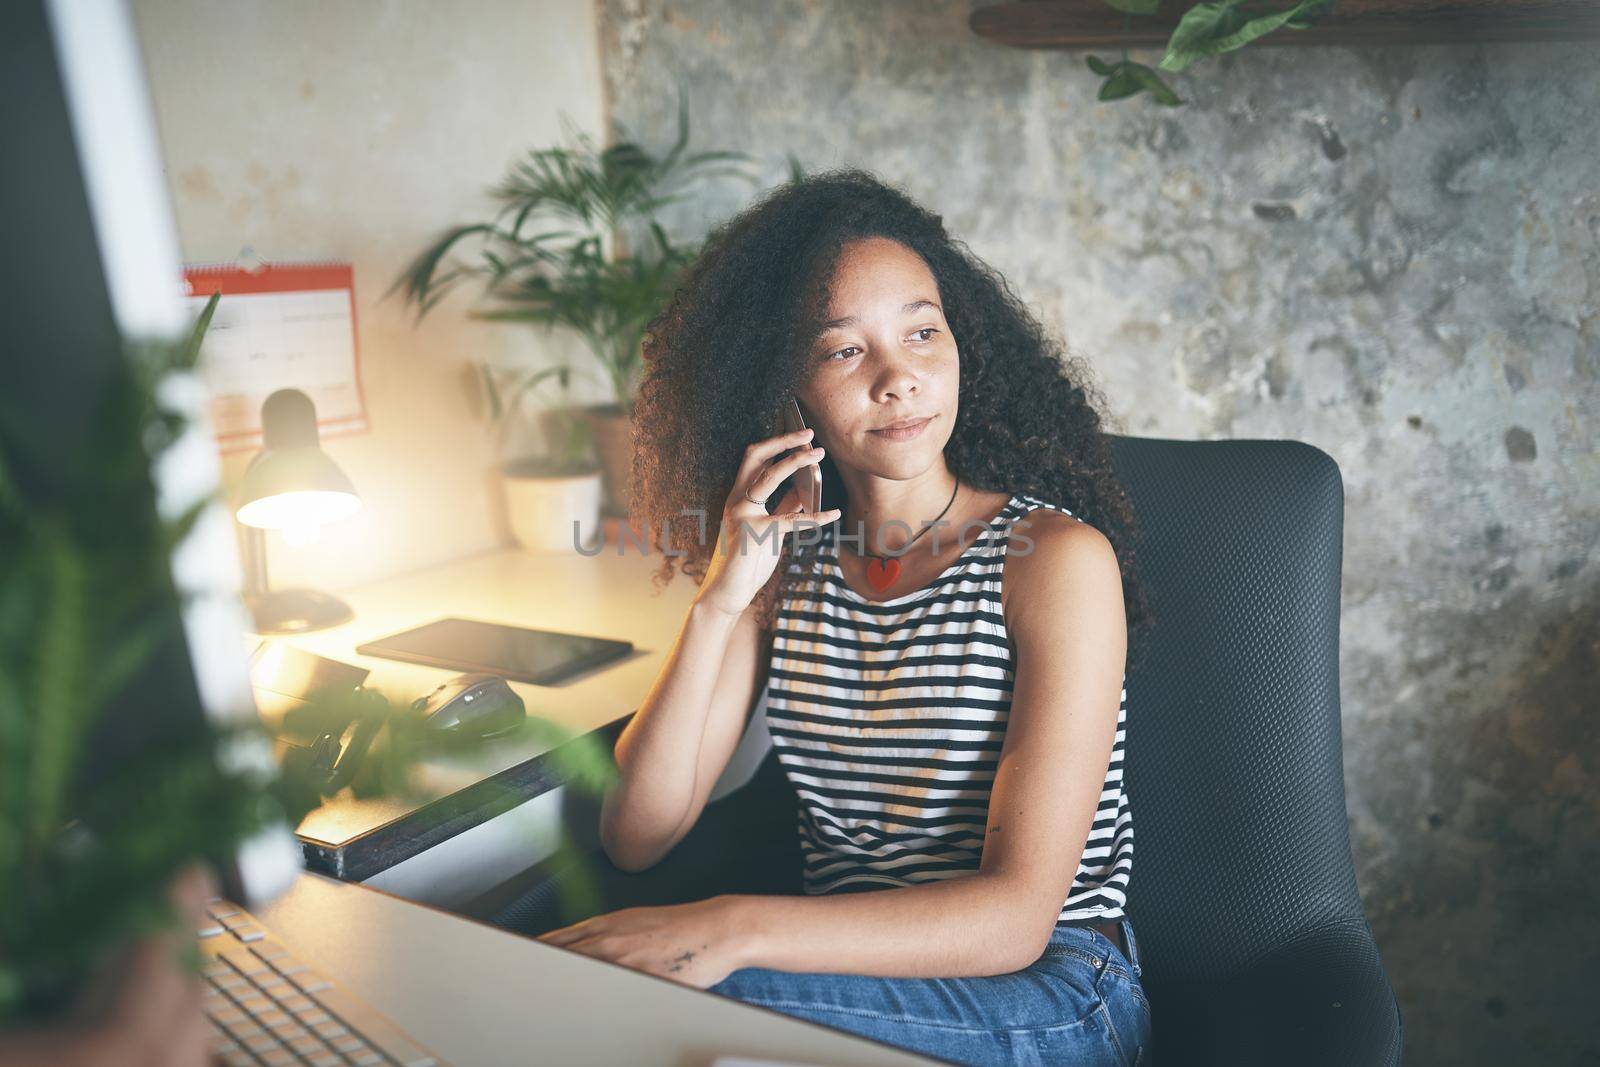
1206 29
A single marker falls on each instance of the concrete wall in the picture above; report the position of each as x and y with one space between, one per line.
359 130
1389 253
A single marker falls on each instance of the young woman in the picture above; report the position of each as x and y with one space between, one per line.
943 645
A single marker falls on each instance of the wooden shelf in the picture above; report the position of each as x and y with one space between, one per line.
1094 24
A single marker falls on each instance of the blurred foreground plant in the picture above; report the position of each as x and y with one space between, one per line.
88 846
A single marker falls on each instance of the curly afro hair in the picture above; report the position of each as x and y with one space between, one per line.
735 343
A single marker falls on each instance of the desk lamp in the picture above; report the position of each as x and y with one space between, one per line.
294 487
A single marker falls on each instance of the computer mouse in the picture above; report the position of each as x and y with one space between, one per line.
480 704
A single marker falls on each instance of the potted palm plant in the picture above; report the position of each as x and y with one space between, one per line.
564 277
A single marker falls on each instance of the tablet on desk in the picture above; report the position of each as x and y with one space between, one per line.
542 657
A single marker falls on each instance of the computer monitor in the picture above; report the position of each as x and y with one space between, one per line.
92 258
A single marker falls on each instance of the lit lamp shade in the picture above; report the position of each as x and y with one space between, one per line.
294 487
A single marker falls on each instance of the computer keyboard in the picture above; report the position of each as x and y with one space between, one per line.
267 1007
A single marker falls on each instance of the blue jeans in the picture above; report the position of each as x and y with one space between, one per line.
1081 1002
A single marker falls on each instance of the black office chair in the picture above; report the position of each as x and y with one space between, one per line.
1251 934
1253 940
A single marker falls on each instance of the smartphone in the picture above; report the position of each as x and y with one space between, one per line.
808 479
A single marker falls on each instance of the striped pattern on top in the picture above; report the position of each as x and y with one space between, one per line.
888 719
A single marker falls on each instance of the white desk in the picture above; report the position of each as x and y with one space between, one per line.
476 994
481 997
608 595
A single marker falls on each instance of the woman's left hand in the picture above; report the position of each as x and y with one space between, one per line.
695 944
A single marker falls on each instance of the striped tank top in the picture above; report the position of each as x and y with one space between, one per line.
888 719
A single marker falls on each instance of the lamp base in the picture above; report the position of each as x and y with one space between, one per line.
295 611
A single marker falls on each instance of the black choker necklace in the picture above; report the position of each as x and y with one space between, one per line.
882 571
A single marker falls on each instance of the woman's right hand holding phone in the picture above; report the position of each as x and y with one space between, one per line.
749 540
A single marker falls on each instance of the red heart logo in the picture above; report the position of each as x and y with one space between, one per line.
881 573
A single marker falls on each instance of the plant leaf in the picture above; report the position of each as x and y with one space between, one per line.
1265 24
189 353
527 383
1220 26
1152 81
1119 85
63 649
796 170
1099 66
1199 24
418 281
496 406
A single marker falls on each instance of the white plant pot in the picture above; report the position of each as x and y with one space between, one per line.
543 507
